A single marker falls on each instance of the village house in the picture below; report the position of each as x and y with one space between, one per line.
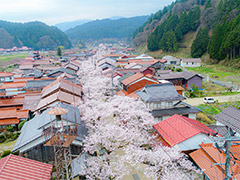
183 132
164 101
11 112
135 82
193 62
34 134
170 60
60 71
12 88
185 79
6 77
61 90
16 167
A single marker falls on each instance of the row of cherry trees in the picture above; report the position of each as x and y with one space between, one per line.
119 138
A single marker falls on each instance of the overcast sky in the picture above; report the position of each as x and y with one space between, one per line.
56 11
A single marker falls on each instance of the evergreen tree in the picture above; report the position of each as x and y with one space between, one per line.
195 18
199 46
178 33
232 43
152 42
169 42
184 23
59 51
215 43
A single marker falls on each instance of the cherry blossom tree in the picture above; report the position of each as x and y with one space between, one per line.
120 135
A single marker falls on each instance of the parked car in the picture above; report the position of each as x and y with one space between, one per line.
209 100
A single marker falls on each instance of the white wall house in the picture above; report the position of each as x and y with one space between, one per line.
194 62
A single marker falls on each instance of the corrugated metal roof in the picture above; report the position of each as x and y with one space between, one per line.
178 128
16 167
32 129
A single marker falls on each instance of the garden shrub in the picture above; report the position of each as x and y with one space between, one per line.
10 129
20 125
5 153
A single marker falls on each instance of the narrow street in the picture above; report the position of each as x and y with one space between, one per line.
198 101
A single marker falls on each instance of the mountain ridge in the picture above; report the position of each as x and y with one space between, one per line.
36 35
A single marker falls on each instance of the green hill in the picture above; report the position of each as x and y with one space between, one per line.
36 35
214 23
106 29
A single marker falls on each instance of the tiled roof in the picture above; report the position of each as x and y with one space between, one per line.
61 69
62 84
15 167
132 78
204 162
178 128
159 93
59 96
8 85
13 101
40 83
8 122
10 113
31 101
222 130
208 155
230 115
6 74
21 79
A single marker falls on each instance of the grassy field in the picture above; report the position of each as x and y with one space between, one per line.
5 58
213 109
7 146
219 72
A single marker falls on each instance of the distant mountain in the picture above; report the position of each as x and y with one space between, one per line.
68 25
115 17
106 29
36 35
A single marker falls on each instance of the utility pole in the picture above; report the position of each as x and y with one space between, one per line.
228 140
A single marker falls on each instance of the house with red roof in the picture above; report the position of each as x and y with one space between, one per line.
183 132
134 82
15 167
6 77
211 161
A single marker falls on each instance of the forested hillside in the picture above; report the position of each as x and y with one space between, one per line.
217 23
106 28
36 35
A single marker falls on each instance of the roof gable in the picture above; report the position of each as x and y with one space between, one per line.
159 92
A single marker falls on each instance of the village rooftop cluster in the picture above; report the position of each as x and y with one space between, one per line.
41 83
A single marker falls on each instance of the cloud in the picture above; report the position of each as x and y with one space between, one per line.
54 11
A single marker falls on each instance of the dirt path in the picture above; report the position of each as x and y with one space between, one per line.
198 101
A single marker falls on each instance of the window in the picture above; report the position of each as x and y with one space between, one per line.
155 106
169 104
